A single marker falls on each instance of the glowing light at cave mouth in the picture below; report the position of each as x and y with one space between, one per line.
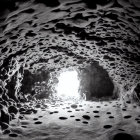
68 85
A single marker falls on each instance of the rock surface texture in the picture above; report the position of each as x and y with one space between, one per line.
40 39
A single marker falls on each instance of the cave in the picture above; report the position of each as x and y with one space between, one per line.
69 69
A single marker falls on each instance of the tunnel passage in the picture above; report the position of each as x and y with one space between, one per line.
86 83
95 82
57 34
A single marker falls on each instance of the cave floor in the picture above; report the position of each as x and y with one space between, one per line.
73 121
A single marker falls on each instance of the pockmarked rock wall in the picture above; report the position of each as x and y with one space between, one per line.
41 35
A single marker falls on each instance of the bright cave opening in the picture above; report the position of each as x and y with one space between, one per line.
68 85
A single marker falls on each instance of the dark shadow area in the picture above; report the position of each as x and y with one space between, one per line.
35 84
137 91
7 4
123 136
95 82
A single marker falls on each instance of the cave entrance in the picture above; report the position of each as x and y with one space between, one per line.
68 85
90 83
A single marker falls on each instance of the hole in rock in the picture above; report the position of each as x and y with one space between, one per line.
121 136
